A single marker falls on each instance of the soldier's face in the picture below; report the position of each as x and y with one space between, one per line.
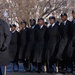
13 28
64 18
23 25
45 24
40 22
32 23
73 14
52 21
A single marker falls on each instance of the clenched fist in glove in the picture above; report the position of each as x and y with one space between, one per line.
3 48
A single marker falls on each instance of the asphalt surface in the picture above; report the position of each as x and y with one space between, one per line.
36 74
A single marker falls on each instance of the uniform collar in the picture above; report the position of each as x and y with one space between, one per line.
53 24
33 27
24 28
41 26
65 22
13 31
74 20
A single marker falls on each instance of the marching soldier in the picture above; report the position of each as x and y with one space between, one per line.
23 44
73 36
14 46
64 42
30 46
53 38
39 42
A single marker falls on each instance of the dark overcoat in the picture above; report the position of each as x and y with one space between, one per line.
53 38
4 40
65 33
39 44
30 46
73 40
14 45
23 39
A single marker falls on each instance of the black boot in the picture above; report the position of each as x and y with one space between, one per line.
39 68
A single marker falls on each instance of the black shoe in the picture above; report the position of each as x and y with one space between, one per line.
28 70
44 71
69 70
15 71
24 70
62 71
39 71
50 71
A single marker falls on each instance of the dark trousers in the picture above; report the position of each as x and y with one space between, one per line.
26 64
39 66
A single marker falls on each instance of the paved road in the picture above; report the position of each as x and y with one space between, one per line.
34 74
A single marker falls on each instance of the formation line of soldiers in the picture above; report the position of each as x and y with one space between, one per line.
44 45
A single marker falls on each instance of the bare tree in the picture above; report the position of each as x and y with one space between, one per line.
26 9
51 7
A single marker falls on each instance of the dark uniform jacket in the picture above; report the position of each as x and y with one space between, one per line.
73 40
65 32
14 45
39 43
53 38
30 46
23 39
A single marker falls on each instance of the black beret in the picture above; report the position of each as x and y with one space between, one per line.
46 22
63 14
13 25
51 17
32 20
10 25
73 11
40 19
23 21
